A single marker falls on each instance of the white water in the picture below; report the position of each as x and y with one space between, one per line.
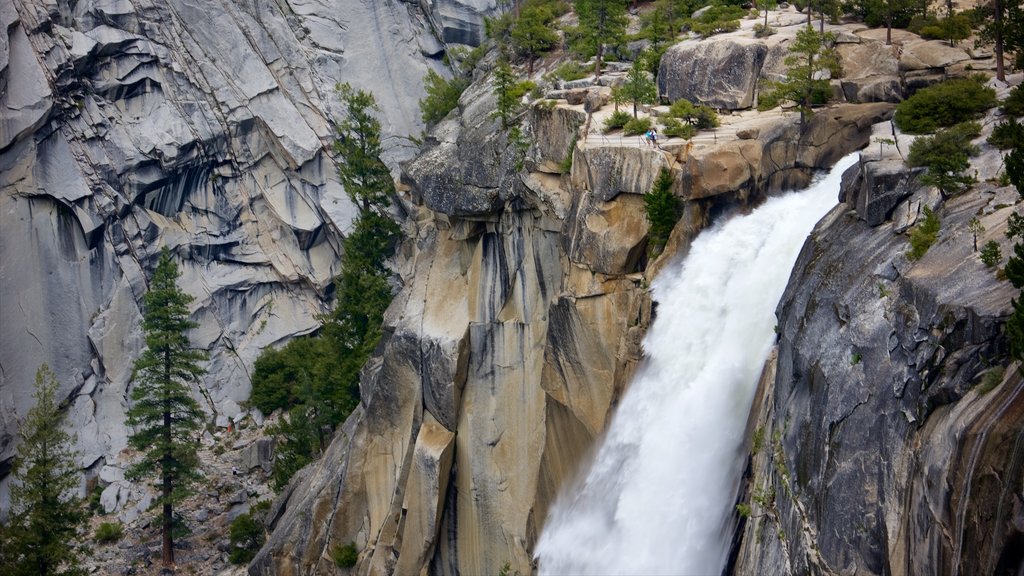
659 493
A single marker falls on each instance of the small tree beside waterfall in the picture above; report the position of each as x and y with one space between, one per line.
662 211
812 60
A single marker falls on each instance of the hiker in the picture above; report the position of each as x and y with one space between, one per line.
652 137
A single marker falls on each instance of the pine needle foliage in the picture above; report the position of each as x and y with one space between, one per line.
46 516
662 211
366 178
163 415
812 60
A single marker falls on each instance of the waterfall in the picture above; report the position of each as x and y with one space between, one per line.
658 496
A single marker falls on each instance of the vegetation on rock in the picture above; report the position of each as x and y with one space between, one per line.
944 105
812 57
602 24
663 211
923 235
946 155
442 96
246 536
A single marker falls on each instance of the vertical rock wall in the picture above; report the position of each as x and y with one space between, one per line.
203 125
888 437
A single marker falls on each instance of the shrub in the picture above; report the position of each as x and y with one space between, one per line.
946 156
1014 103
617 119
952 29
637 126
246 536
1008 134
676 129
717 19
924 235
762 31
991 379
569 71
108 532
991 255
442 96
1015 226
698 115
944 104
344 556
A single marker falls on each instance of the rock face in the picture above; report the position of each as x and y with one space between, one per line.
203 125
519 322
721 73
888 439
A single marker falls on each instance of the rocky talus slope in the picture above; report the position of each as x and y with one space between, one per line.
887 436
518 324
203 125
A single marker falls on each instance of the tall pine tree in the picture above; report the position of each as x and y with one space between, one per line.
47 516
164 415
602 24
367 180
811 56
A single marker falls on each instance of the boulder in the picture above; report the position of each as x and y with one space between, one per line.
720 72
875 188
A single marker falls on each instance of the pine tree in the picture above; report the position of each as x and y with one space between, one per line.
47 517
366 178
164 415
506 93
531 34
811 56
639 88
602 24
662 211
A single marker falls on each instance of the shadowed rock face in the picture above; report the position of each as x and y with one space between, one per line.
203 125
880 451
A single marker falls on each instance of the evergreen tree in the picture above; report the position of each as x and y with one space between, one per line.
531 34
442 96
366 178
639 88
602 24
317 378
46 515
164 416
662 211
811 57
506 93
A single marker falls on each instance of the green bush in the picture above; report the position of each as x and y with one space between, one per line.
991 255
699 116
617 120
569 71
991 379
637 126
108 532
1014 103
924 235
762 31
246 536
1008 134
717 19
946 156
676 129
944 104
442 96
344 556
952 29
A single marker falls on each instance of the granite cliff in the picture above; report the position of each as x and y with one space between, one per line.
203 125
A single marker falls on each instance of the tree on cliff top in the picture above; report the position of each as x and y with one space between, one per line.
164 415
812 60
366 178
639 88
46 516
602 24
